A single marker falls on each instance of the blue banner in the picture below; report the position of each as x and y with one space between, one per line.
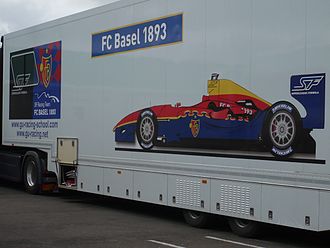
152 33
309 90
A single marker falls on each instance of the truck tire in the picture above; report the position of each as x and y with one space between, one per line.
196 219
146 131
31 173
244 228
282 129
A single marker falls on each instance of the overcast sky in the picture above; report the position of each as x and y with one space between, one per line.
19 14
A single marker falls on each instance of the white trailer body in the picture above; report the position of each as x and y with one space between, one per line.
70 85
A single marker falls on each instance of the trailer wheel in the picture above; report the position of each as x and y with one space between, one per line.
31 173
282 129
197 219
244 228
147 129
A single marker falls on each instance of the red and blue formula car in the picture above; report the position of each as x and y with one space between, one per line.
228 116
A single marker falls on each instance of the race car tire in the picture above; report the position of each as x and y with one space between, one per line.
282 129
244 228
197 219
146 131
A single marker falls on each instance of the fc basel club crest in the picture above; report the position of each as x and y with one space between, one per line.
46 68
194 127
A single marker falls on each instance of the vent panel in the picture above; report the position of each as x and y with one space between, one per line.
235 199
188 193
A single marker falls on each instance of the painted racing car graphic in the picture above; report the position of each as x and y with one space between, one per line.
231 116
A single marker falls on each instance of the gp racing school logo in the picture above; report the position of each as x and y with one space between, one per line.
35 82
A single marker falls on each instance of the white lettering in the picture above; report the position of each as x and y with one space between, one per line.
109 46
282 106
106 42
164 32
282 152
123 41
117 40
134 39
128 40
138 36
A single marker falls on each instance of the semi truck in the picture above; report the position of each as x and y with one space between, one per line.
212 107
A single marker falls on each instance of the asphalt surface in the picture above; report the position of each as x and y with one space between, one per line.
72 219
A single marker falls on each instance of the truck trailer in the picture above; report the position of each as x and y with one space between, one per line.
212 107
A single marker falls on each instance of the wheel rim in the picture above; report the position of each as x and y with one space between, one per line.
31 173
242 223
194 215
282 130
147 129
